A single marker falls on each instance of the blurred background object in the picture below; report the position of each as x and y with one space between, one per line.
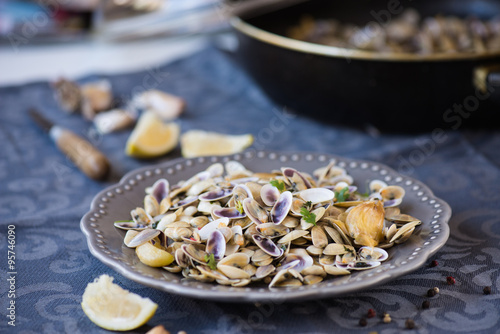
53 20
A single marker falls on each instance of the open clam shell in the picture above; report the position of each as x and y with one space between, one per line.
267 245
269 194
216 245
317 195
254 211
281 207
231 213
272 230
215 195
143 237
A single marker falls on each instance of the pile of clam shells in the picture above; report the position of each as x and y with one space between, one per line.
283 228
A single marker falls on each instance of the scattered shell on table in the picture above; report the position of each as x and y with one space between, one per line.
96 97
113 120
68 95
238 228
167 106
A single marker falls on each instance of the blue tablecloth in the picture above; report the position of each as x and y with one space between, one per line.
44 196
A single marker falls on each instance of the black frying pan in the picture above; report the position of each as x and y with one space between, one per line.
393 92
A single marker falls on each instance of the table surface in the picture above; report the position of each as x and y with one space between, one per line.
44 197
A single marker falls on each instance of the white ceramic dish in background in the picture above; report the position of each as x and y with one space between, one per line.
115 203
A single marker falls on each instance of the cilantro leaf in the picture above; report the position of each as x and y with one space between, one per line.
210 260
239 207
309 217
278 184
342 195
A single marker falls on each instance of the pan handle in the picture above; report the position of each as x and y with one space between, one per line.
487 82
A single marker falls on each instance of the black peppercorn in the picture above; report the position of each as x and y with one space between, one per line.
410 324
487 290
431 293
363 322
426 304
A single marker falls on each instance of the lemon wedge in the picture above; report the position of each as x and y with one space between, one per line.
109 306
196 143
151 137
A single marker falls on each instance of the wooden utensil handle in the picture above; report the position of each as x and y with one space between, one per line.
85 156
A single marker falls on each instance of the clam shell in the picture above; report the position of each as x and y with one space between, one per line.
181 258
319 212
129 236
195 253
272 230
259 255
143 237
184 202
404 232
317 195
304 261
236 168
151 205
334 234
392 192
160 189
363 265
212 226
267 245
216 245
215 195
141 217
314 270
130 226
335 271
281 207
312 279
313 250
199 187
269 194
296 178
297 204
215 170
207 271
372 254
376 185
338 249
231 213
319 238
264 271
295 234
254 211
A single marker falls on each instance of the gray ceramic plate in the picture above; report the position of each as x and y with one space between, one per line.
115 203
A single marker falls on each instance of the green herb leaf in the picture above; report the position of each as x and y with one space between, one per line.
124 221
307 205
239 207
210 260
342 195
309 217
154 225
278 184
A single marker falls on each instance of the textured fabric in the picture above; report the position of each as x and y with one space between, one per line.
44 196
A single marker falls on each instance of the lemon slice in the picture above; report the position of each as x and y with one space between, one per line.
109 306
196 143
151 137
